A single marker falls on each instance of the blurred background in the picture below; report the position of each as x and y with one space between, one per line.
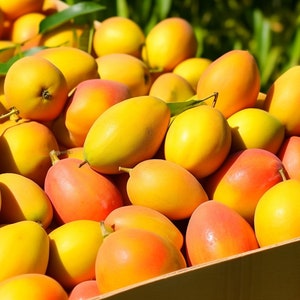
270 30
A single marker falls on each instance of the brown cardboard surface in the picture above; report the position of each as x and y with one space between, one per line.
269 273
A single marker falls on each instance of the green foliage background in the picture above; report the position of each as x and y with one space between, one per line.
270 30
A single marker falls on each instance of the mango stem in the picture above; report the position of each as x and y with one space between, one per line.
104 230
123 169
282 174
12 111
215 95
54 156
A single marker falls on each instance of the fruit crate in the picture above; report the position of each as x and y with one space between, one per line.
267 273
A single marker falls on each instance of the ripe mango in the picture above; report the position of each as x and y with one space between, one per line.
25 147
235 77
23 199
64 58
73 251
126 133
24 249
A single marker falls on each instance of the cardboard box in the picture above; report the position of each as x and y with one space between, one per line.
269 273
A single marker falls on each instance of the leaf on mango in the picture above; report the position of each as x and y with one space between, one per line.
178 107
77 10
6 65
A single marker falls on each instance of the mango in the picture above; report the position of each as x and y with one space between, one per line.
75 64
137 78
126 133
235 77
171 88
168 43
25 147
23 199
24 249
282 100
73 250
198 139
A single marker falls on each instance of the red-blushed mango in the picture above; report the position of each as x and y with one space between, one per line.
283 99
168 43
23 199
235 77
216 231
90 98
277 213
130 255
143 217
24 249
166 187
289 153
79 192
84 290
199 139
243 178
32 286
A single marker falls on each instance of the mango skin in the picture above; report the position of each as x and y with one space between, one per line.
126 134
24 249
73 251
64 58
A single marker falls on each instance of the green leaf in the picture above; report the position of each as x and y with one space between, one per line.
178 107
294 50
163 8
122 8
4 67
76 10
270 65
86 39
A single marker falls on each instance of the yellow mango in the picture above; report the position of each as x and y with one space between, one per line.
24 249
282 100
166 187
67 34
126 133
23 199
25 147
168 43
137 77
171 87
199 139
246 125
75 64
191 69
73 250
